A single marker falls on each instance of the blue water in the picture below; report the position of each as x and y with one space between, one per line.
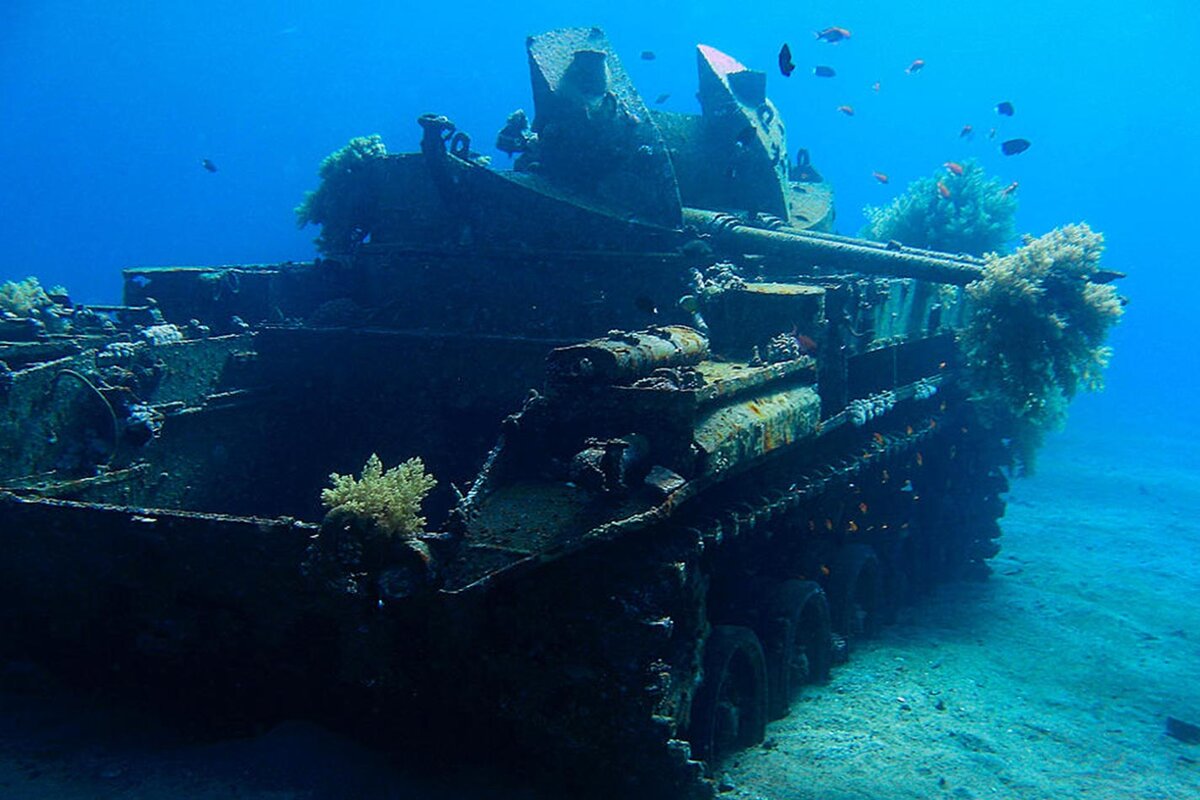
107 109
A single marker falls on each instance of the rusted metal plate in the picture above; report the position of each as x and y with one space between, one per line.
739 433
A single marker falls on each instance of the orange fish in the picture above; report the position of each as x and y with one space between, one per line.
847 110
881 177
862 507
915 67
942 190
966 131
954 167
878 437
852 527
825 570
1007 190
875 86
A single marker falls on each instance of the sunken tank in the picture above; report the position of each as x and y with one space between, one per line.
689 447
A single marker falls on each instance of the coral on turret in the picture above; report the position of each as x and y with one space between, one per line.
1036 334
345 205
22 298
391 500
967 213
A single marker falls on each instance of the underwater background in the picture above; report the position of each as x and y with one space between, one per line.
109 108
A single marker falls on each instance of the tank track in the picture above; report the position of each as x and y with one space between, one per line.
602 661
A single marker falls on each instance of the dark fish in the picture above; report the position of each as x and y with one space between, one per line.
833 35
823 72
662 98
992 133
785 60
646 305
208 165
916 66
1014 146
1004 109
847 110
880 176
1106 276
966 131
648 55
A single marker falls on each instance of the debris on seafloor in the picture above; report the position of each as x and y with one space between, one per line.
1185 732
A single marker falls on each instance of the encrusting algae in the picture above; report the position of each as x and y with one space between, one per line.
1036 334
390 499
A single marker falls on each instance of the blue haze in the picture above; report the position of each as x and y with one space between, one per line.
107 108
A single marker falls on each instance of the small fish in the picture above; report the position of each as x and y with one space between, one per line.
785 61
646 305
1007 190
907 486
1014 146
878 437
662 98
648 55
954 167
966 131
1106 276
805 343
863 507
747 136
823 72
875 86
880 176
942 190
208 165
1004 109
833 35
992 133
847 110
916 66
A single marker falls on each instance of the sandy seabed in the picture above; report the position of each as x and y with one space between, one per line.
1052 679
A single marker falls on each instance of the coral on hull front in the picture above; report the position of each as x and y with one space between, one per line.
390 499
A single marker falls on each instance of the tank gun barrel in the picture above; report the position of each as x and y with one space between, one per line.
834 253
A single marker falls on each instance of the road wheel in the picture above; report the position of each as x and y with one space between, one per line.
729 711
798 641
855 591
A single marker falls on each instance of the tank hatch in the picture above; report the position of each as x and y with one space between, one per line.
595 135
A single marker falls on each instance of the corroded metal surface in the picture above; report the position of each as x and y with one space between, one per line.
624 357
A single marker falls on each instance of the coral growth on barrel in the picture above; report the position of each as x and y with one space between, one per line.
1036 334
967 213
